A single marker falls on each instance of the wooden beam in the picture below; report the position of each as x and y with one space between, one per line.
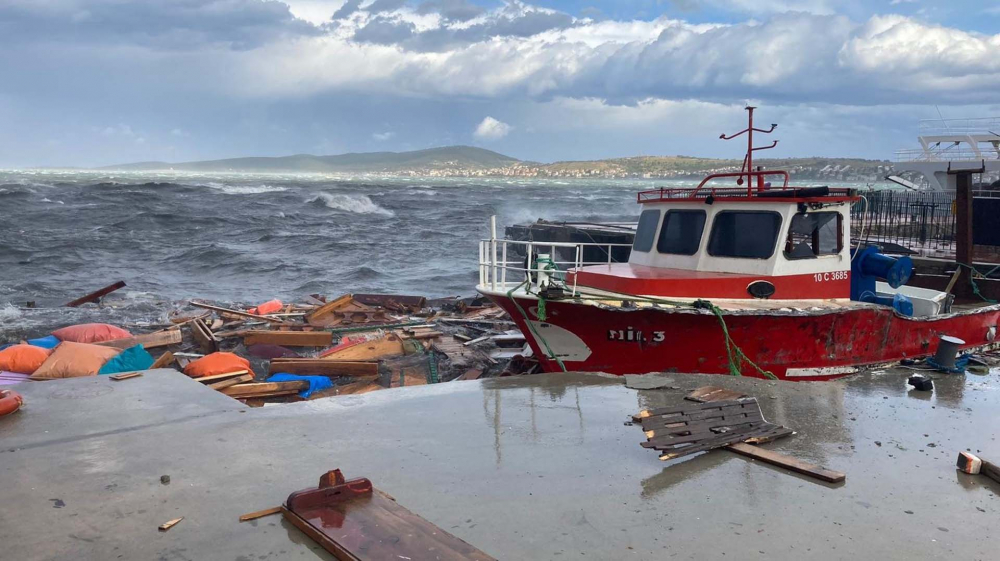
787 462
231 381
328 308
217 377
323 367
260 513
235 313
262 389
165 359
125 376
170 336
96 295
170 524
964 239
288 338
204 336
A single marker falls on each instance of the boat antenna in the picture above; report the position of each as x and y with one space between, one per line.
748 159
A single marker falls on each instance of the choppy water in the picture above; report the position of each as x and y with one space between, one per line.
249 238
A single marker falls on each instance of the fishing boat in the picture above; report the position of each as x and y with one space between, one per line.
759 280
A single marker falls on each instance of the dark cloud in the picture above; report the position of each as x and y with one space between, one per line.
381 31
451 10
347 9
173 24
380 6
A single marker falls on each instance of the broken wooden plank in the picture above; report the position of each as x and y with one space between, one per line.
260 513
96 295
322 367
426 335
388 346
288 338
231 381
260 389
224 376
207 340
170 524
125 376
164 338
394 302
706 394
164 359
787 462
236 313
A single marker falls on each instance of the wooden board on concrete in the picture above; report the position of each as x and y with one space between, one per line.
706 394
323 367
787 462
288 338
261 389
163 338
220 384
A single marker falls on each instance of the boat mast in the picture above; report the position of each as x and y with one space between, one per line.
748 159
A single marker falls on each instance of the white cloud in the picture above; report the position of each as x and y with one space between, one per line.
491 129
383 136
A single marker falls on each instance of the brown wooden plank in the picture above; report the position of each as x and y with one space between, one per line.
667 441
261 388
170 524
235 313
288 338
989 469
703 425
319 537
260 513
689 409
164 360
426 335
787 462
96 295
323 367
125 376
163 338
231 381
774 434
705 445
707 394
700 416
217 377
706 430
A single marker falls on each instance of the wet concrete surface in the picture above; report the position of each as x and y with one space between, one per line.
535 467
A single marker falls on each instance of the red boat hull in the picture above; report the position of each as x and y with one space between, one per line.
792 345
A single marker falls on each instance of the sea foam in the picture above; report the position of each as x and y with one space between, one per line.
358 204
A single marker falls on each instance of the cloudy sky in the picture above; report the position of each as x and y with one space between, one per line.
95 82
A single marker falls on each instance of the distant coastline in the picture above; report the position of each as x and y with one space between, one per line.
469 161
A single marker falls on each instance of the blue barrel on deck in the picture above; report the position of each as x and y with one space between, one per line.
895 272
899 302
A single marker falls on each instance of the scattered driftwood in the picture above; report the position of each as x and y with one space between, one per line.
360 350
164 360
260 514
225 376
707 394
393 302
204 336
288 338
170 524
163 338
243 315
242 378
265 389
787 462
96 295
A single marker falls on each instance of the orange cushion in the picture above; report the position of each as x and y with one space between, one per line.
216 363
71 360
91 333
23 359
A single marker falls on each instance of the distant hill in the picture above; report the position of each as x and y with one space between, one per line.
445 158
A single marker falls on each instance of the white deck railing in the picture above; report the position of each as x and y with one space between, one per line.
506 264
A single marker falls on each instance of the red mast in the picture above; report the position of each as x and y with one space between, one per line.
748 159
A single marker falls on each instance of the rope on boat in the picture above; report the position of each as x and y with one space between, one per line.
527 320
972 280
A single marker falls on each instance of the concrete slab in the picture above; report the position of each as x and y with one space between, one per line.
536 467
65 410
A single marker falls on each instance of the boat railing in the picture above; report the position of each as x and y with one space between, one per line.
664 193
953 153
506 264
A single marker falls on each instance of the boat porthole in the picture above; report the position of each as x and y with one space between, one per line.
761 289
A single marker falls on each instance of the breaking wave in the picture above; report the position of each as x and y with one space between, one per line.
359 204
247 189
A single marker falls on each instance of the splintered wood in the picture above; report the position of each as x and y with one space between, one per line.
679 431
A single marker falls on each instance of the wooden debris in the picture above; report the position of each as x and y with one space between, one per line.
235 313
225 376
265 389
322 367
231 381
389 346
973 465
217 324
426 335
394 302
344 311
707 394
787 462
170 524
125 376
288 338
260 513
204 336
163 338
96 295
473 374
164 359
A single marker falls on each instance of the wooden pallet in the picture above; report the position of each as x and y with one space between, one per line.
680 431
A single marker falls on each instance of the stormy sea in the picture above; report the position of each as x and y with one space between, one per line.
246 238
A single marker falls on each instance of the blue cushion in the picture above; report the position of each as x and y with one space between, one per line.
49 342
130 360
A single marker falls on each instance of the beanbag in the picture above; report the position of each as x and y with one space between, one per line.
130 360
23 359
91 333
216 363
72 360
47 342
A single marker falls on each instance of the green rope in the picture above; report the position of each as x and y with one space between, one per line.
972 280
510 294
541 308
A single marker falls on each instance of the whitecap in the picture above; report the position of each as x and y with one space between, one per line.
48 200
359 204
247 189
9 313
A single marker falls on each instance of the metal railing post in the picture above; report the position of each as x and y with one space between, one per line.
493 250
503 270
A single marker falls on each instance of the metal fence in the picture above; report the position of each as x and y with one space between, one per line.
922 223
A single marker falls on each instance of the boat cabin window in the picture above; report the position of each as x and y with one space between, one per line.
681 232
750 234
646 230
813 234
